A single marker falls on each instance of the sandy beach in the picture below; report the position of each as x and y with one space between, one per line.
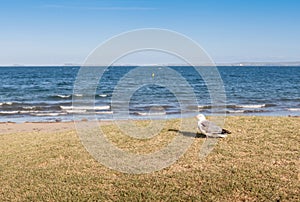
258 161
8 128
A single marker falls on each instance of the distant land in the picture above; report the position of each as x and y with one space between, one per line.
260 64
297 63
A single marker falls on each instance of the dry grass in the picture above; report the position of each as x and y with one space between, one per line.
259 161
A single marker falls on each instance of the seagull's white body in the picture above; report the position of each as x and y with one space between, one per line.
209 128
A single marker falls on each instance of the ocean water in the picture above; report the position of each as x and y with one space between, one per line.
47 93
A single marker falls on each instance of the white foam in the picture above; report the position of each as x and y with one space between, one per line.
102 107
63 96
151 114
103 95
236 111
26 112
78 95
9 112
66 107
28 107
251 106
107 107
5 103
49 114
76 111
294 109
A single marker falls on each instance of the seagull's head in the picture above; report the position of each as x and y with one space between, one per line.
200 117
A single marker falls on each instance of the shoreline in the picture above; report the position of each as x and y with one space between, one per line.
52 127
58 120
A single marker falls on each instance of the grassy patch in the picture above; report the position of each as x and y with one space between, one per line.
258 161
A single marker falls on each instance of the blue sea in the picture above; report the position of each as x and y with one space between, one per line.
45 94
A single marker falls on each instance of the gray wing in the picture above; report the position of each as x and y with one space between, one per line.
208 127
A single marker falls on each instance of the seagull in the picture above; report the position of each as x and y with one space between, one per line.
209 128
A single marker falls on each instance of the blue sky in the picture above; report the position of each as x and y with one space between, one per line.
66 31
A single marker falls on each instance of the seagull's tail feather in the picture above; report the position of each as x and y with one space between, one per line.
224 131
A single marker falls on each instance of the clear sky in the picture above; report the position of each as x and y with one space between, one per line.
66 31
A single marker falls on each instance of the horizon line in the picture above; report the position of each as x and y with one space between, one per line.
262 63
